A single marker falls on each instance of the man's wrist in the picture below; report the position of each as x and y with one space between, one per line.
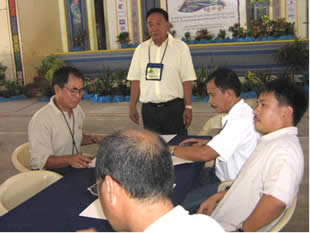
188 107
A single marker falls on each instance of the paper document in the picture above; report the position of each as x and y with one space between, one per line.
168 137
94 210
177 160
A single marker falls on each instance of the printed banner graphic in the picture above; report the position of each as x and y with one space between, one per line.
193 15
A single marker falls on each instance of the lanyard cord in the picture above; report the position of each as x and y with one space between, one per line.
162 58
71 131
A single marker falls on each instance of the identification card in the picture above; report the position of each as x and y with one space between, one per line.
154 71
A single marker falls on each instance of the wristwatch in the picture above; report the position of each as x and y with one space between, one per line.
188 106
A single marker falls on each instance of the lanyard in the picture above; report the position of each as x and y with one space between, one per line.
162 58
68 126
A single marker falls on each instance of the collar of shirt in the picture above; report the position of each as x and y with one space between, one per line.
170 39
236 108
57 110
284 131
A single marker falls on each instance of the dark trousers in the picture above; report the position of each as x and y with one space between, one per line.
164 118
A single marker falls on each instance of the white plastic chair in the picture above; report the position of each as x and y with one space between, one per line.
19 188
21 158
212 126
286 216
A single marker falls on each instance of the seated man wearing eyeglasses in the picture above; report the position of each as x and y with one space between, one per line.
55 131
269 181
135 177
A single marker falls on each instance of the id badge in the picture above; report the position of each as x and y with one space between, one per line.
154 71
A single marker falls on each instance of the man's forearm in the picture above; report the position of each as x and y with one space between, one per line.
54 162
134 92
187 88
267 210
195 153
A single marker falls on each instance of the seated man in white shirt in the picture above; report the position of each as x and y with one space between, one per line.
55 131
269 181
231 147
135 177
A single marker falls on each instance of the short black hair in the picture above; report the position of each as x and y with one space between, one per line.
61 75
224 79
288 93
158 10
141 164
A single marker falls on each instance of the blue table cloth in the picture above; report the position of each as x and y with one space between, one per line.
57 207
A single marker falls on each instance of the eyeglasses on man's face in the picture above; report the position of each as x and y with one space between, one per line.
93 188
75 91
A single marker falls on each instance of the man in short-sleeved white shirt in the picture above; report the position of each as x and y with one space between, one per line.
269 181
161 75
231 147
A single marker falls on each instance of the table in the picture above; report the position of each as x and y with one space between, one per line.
57 207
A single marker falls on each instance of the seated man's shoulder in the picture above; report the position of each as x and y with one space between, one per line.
199 222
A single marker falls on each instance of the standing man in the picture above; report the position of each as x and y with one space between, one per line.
161 74
135 177
231 147
269 181
55 131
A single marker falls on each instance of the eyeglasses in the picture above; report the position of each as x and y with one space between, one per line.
75 91
93 188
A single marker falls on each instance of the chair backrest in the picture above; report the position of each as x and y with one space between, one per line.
252 102
19 188
21 158
285 217
212 126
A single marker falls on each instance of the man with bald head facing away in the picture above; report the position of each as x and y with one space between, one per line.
135 178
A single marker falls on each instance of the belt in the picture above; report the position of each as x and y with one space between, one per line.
160 105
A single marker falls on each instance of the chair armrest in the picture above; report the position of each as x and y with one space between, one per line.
224 185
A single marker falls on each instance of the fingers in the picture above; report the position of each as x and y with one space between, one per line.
189 140
80 161
134 117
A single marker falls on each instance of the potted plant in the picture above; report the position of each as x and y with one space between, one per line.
123 39
221 35
294 56
46 71
187 36
204 34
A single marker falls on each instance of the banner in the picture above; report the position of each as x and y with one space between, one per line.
193 15
291 10
122 16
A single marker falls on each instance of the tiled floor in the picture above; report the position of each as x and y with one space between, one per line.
108 118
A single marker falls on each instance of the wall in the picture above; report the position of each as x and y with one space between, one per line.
6 50
39 32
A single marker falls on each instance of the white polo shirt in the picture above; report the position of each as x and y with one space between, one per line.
48 133
236 142
177 68
179 220
276 168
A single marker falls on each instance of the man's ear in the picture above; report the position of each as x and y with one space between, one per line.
56 88
288 112
113 189
230 92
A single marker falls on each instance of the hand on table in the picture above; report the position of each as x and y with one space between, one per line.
194 142
79 161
